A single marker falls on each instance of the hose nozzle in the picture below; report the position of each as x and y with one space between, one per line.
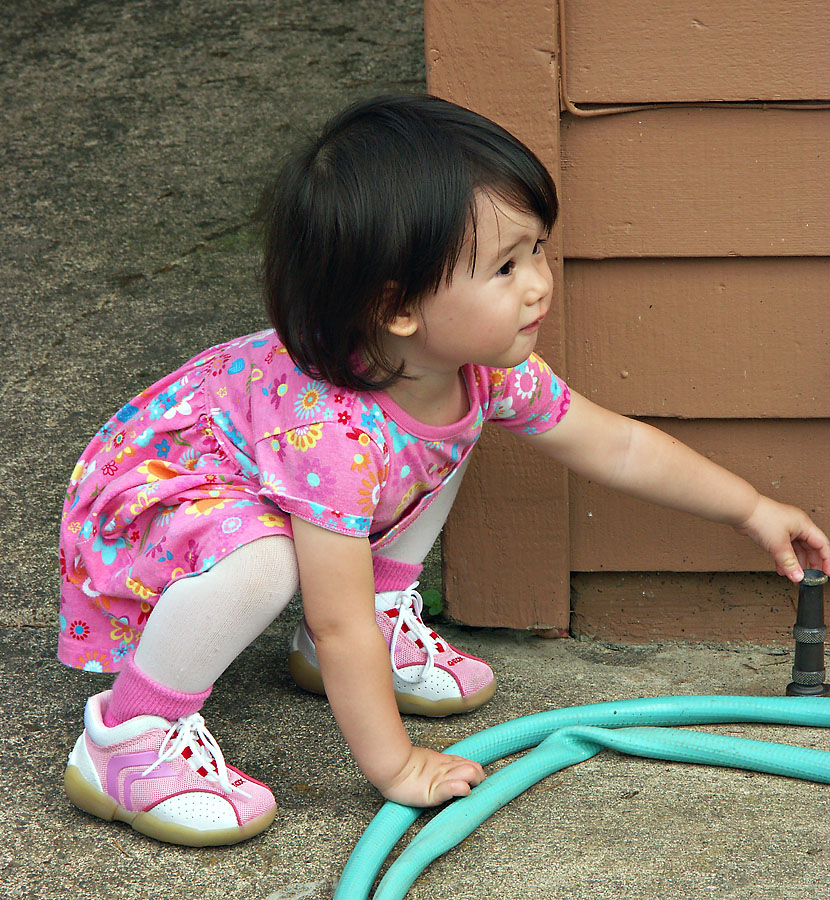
809 633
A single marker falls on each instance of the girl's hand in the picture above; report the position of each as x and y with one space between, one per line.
789 535
429 778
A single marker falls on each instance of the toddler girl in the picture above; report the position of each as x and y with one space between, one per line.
406 281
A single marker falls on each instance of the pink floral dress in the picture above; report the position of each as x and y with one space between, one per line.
221 451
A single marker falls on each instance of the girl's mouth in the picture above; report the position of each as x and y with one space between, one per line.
529 329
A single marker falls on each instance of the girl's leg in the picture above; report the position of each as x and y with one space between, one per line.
399 564
431 677
145 756
200 625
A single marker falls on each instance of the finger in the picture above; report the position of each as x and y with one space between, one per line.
820 562
468 776
461 759
813 542
446 790
464 766
809 558
804 556
824 556
787 563
471 776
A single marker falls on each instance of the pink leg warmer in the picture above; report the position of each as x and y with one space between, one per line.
392 575
136 694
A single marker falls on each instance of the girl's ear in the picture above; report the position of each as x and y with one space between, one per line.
403 325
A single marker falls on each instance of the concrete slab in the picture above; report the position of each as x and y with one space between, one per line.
136 134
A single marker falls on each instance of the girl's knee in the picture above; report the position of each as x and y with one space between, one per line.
266 569
271 564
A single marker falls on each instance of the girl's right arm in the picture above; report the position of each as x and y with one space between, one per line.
338 599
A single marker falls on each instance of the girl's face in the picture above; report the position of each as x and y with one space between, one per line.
491 315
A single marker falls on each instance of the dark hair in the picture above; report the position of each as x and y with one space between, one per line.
369 219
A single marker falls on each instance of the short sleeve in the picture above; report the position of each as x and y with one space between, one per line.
327 473
528 399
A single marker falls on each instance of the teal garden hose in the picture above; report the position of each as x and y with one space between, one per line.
562 737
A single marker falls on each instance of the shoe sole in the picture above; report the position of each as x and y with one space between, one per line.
93 801
310 679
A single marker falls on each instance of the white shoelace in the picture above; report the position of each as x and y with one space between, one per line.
190 732
409 604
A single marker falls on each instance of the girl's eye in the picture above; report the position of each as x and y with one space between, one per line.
510 265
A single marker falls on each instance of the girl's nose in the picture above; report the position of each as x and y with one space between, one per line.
540 284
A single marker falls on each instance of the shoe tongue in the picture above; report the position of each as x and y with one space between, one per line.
386 600
391 600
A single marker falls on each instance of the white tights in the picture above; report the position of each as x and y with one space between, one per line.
202 623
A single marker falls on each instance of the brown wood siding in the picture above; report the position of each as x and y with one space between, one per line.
483 581
693 338
511 514
751 607
707 50
697 182
784 459
693 252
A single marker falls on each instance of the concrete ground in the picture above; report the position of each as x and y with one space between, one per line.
136 135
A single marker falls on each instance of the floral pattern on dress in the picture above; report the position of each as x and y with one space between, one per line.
226 449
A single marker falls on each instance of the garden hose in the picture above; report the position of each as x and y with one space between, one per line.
566 736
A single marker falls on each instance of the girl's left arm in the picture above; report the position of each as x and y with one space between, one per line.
644 462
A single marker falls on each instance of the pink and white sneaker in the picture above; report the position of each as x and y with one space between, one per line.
167 780
431 677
